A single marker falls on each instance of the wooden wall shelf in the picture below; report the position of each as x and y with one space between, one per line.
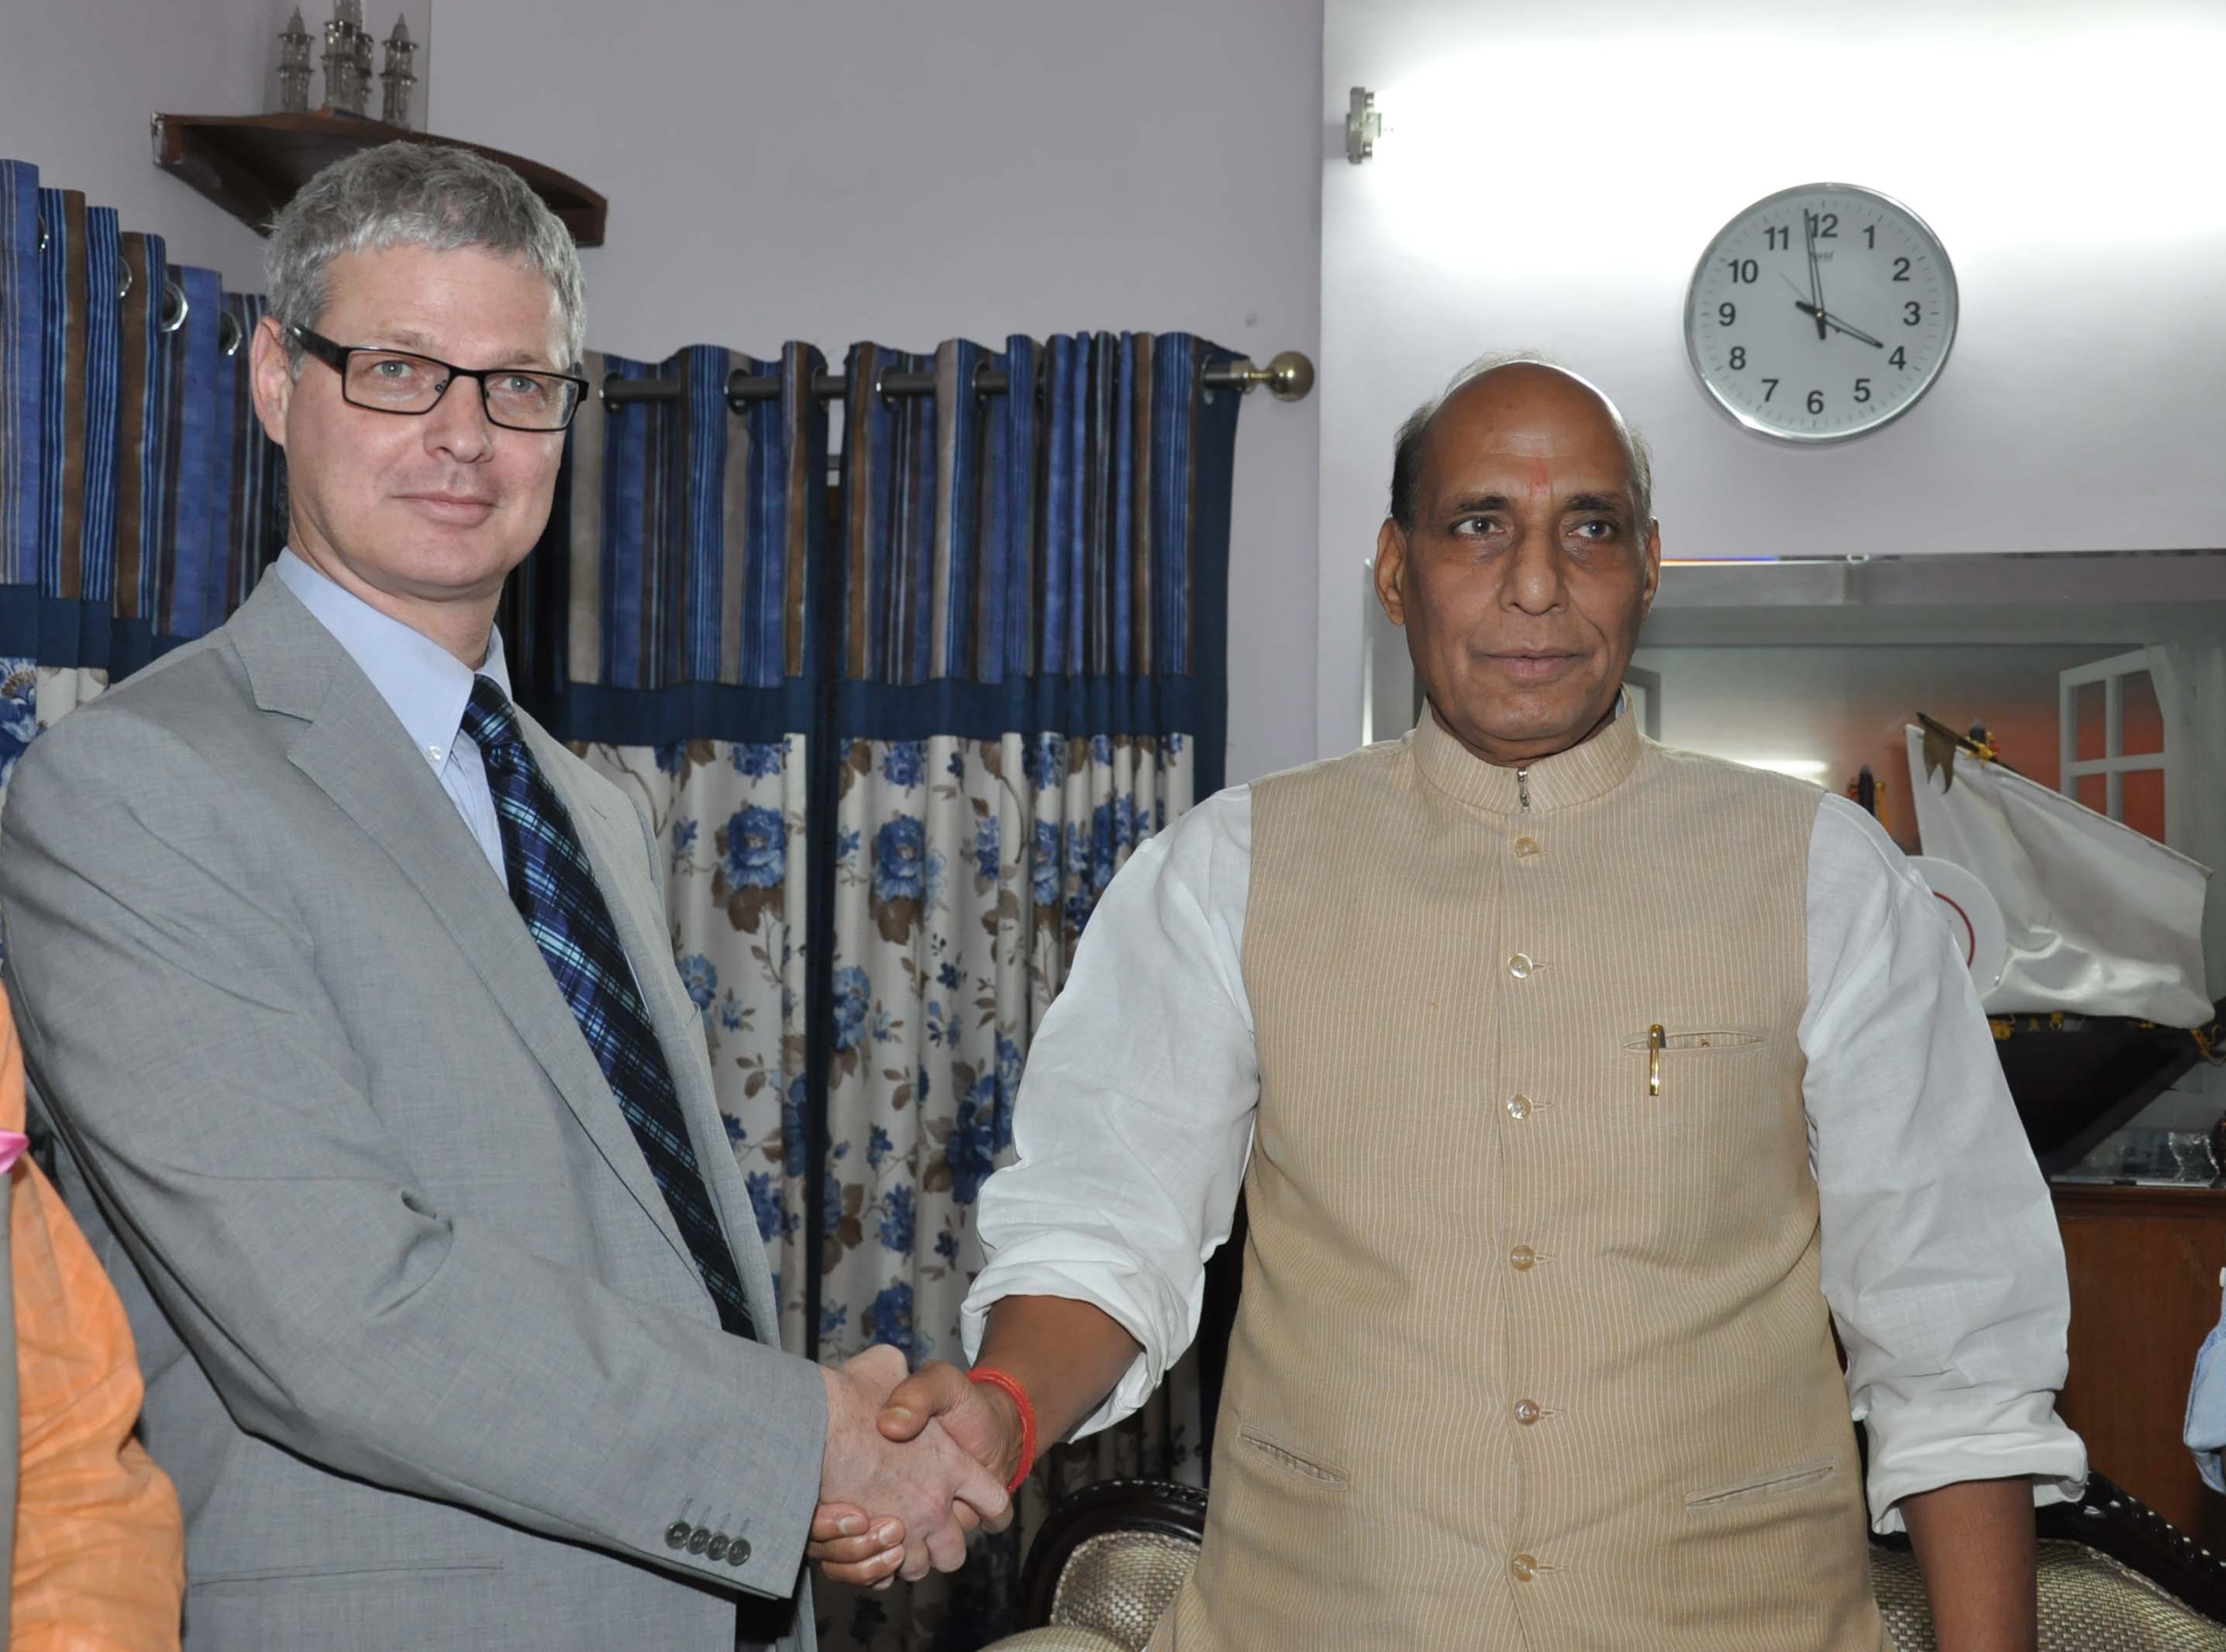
251 165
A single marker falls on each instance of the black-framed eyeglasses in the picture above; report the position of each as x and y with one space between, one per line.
400 381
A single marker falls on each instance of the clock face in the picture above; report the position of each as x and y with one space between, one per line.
1820 312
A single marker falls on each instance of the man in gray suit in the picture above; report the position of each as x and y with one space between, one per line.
347 990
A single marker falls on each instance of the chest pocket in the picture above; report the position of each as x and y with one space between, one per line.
1673 1059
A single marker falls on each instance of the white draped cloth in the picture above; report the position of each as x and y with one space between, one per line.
2101 919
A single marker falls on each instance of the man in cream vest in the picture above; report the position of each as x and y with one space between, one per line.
1578 1088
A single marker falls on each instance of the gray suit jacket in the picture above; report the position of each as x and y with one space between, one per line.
425 1354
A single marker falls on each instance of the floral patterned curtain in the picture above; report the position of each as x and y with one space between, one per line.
661 627
1032 590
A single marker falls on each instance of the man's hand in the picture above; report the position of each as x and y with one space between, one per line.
1065 1355
930 1492
852 1546
981 1420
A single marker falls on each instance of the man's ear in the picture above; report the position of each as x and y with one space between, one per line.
1391 570
271 375
1653 568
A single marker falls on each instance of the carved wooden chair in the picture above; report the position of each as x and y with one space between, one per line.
2114 1576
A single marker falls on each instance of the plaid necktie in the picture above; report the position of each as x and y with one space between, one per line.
554 889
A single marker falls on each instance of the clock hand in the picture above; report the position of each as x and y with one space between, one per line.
1816 280
1831 320
1825 318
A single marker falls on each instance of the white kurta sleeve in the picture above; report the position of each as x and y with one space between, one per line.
1134 1122
1941 1257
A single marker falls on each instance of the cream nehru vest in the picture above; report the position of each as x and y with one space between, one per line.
1531 1353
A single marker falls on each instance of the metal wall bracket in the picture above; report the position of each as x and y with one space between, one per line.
1363 126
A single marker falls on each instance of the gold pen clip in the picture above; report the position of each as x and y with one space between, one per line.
1654 1040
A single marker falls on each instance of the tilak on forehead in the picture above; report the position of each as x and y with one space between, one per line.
1537 450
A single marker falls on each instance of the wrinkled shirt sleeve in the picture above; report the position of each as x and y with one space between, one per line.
1134 1122
1941 1257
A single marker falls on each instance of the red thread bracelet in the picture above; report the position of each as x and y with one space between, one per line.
991 1378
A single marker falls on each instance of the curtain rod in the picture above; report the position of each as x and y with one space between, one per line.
1289 376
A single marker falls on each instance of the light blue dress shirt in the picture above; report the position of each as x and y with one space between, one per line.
425 686
2206 1405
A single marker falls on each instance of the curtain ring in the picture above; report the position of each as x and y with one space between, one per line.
43 236
228 335
175 307
123 283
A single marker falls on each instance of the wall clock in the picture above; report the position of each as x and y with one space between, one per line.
1820 312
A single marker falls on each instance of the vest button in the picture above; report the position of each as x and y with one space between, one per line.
1524 1259
1527 1412
1519 1108
1520 966
1524 1566
1526 848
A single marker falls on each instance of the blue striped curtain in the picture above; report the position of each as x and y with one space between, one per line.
663 627
1031 598
138 494
895 743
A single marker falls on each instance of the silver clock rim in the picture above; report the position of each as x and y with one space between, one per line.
1821 438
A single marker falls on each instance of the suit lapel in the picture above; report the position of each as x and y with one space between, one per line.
614 845
358 754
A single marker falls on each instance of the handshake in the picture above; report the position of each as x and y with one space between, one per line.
911 1465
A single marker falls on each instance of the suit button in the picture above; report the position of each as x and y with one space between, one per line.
699 1540
738 1552
1524 1566
1519 1108
1522 1258
676 1535
716 1549
1527 1412
1520 966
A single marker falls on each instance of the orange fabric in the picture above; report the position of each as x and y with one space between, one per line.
100 1551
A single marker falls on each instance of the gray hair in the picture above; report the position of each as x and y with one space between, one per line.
418 194
1406 448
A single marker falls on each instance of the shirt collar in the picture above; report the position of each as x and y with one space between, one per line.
1587 771
425 686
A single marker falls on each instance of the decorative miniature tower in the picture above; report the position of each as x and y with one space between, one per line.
397 79
363 43
339 63
347 59
294 67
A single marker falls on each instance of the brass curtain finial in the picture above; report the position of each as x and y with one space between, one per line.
1289 376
